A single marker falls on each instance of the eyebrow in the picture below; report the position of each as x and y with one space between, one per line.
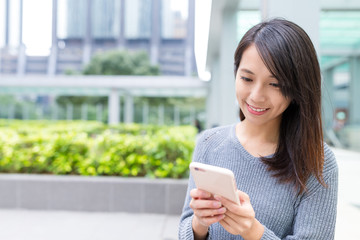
247 71
250 72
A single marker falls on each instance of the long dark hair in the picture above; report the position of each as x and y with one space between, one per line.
289 55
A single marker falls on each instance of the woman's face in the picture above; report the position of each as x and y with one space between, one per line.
257 90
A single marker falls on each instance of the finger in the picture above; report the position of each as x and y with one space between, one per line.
209 212
211 220
230 205
244 198
204 204
237 217
197 193
226 222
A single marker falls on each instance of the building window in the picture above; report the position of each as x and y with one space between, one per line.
71 18
174 18
137 19
105 18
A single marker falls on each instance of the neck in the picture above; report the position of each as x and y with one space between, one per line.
265 133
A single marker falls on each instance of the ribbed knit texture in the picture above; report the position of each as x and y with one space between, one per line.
284 213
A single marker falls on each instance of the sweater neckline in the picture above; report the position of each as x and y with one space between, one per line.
238 145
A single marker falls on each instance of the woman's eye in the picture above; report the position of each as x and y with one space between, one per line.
246 79
275 85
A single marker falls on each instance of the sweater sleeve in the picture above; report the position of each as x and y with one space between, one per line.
316 213
185 226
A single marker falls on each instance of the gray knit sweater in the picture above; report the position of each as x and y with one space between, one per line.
284 213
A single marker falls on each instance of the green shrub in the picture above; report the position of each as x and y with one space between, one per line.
93 148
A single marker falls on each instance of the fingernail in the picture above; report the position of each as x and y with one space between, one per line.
217 197
217 204
222 210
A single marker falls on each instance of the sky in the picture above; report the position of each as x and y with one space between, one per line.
37 27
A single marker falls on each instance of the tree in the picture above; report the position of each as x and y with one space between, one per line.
113 63
121 63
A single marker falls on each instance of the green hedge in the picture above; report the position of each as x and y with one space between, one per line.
93 148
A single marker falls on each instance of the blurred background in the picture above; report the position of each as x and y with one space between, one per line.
122 88
47 46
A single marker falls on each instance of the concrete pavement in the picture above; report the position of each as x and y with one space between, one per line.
59 225
348 219
56 225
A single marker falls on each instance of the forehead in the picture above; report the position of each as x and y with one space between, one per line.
251 60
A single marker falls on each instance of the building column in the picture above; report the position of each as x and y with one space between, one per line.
121 38
354 109
156 33
328 98
54 42
7 23
88 34
129 108
21 64
189 48
114 106
228 110
212 101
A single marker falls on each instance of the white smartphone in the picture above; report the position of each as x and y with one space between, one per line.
216 180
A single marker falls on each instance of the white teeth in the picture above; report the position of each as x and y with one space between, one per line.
257 109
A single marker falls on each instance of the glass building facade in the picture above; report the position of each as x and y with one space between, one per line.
138 19
86 27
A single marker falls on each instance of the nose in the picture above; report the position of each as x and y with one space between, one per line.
258 93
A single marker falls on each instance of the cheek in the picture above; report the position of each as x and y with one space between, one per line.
239 90
284 104
239 94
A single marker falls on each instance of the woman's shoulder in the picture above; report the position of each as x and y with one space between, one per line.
330 163
329 174
214 134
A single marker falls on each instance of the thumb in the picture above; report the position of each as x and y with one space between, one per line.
244 198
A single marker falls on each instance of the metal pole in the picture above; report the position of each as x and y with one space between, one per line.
54 113
69 111
114 106
129 108
99 110
145 113
176 115
84 112
161 114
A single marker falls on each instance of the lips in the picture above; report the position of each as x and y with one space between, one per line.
255 110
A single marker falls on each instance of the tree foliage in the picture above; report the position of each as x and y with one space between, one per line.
121 63
113 63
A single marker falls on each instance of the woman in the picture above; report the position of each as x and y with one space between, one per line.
286 175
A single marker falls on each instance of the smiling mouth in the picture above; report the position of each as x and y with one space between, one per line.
257 109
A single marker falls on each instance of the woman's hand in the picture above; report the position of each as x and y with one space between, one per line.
240 219
207 211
